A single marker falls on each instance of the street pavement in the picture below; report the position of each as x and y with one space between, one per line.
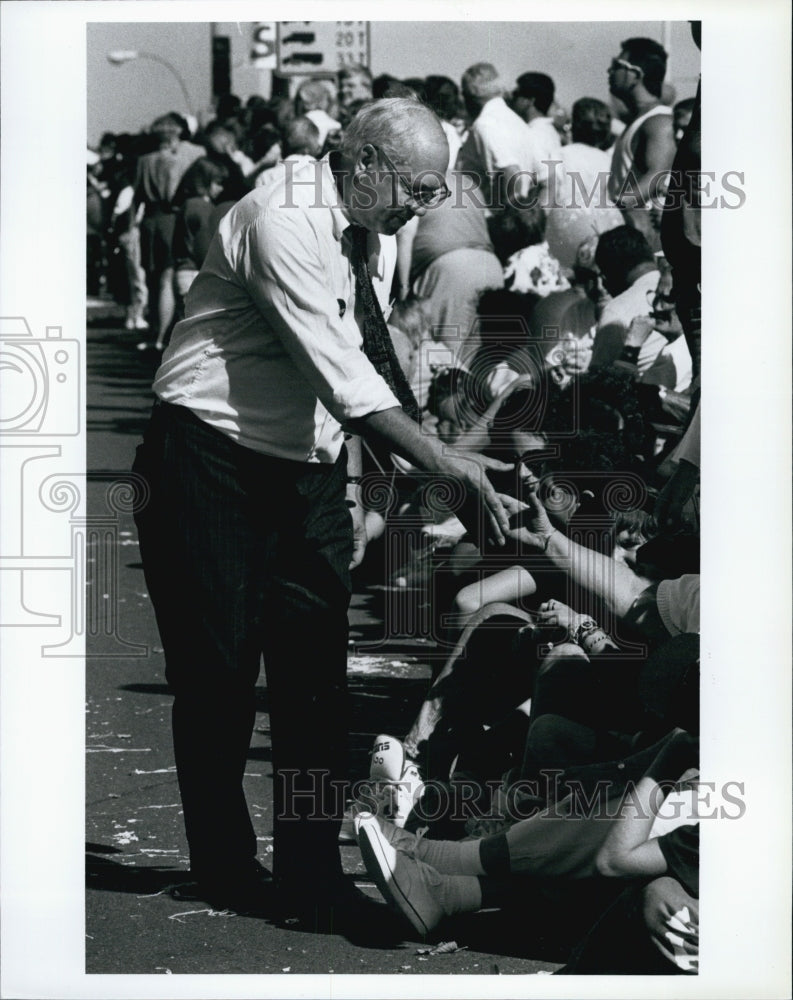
135 845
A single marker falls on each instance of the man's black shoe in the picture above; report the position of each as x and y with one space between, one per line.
245 891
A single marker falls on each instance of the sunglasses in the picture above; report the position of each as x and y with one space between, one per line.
622 64
657 299
421 198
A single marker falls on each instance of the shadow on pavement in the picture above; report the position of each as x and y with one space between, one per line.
105 873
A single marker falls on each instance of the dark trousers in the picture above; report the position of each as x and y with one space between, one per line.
246 556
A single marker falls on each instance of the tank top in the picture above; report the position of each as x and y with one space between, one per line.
622 158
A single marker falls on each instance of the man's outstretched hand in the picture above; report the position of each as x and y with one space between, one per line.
470 468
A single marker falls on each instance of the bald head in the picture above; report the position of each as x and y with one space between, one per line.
394 156
403 127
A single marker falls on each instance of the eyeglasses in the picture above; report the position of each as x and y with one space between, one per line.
424 197
622 64
658 299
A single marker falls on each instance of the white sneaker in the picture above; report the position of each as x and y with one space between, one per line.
397 783
394 788
401 840
407 885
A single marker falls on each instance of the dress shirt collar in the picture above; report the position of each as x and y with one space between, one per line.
493 107
341 220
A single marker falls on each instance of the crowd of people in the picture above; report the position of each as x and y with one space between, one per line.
537 320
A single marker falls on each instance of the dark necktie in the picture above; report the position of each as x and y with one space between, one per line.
377 343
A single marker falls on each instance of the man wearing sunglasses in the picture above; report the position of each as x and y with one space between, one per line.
644 152
247 536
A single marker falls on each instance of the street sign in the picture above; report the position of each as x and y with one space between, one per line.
263 45
306 47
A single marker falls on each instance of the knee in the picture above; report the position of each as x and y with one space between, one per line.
566 656
467 601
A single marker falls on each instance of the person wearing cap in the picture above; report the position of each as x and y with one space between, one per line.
499 152
252 521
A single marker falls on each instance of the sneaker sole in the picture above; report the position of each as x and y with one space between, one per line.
378 866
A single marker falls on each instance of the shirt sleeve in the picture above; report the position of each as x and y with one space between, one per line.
680 849
502 147
280 262
678 604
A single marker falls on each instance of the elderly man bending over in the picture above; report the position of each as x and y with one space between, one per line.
247 538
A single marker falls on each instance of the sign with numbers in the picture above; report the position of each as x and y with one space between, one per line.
306 47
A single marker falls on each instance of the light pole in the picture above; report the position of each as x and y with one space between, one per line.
120 56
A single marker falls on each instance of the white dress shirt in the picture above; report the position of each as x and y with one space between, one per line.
548 150
270 352
499 139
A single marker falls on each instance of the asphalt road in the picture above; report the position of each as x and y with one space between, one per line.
135 845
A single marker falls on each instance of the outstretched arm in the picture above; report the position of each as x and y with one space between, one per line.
617 585
397 432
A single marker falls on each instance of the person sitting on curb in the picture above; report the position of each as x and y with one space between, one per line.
428 880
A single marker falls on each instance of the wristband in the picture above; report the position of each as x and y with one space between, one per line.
594 640
630 354
548 538
585 628
353 480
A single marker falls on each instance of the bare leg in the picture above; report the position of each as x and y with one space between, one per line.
166 304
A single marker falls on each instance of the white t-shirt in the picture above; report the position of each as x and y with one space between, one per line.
499 139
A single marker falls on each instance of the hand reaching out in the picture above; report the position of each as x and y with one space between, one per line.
470 468
529 522
360 538
640 329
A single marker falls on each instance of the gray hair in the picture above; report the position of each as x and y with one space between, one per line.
392 123
482 81
301 135
314 95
